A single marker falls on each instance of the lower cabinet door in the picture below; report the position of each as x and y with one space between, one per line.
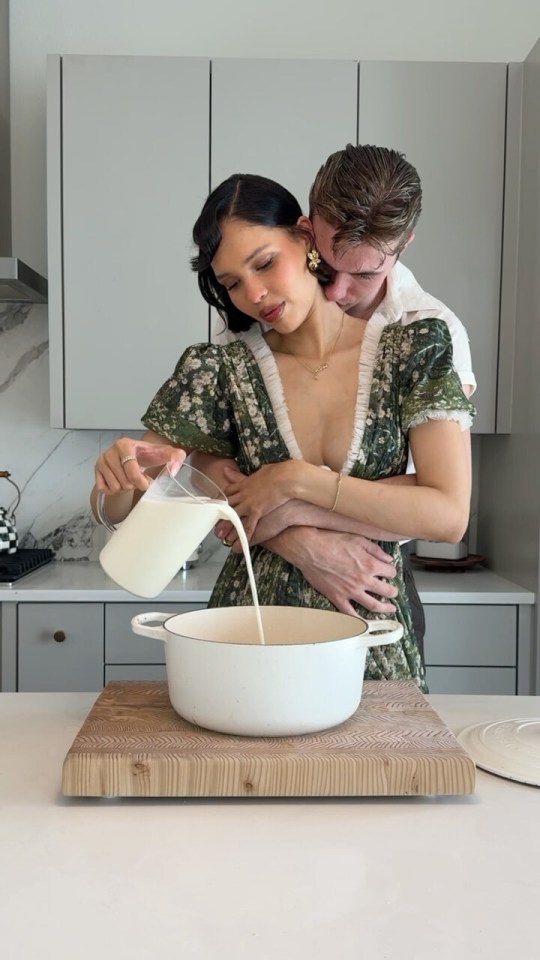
60 647
122 646
471 648
135 671
501 680
475 635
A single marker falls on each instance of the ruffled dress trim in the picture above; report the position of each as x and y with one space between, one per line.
461 416
272 381
366 365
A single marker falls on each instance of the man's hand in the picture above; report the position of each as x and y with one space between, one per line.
341 566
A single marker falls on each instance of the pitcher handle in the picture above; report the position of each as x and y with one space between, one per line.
101 512
140 624
390 631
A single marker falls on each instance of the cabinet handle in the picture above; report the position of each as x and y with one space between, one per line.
59 636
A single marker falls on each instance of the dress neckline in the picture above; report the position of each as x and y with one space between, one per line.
274 386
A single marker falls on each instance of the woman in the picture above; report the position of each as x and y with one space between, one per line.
318 389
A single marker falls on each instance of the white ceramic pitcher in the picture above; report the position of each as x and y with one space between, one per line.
168 523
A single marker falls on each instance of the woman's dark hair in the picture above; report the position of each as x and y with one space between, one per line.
252 199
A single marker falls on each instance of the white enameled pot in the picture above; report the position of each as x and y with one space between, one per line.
307 676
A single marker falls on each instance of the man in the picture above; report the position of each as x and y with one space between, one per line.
364 205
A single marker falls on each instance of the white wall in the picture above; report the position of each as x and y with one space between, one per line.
480 30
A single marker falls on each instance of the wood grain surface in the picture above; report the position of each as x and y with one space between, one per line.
133 744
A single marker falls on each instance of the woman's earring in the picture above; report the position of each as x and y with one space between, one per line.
314 259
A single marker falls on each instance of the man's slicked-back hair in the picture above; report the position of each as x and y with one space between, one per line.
370 195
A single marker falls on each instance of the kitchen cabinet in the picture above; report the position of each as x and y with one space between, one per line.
60 647
80 646
128 142
129 656
450 121
135 142
479 636
267 118
471 649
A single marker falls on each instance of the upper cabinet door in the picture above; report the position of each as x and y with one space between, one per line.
281 118
133 156
449 120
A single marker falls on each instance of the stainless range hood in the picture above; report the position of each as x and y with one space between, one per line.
20 284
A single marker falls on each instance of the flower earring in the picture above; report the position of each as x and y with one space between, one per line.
314 259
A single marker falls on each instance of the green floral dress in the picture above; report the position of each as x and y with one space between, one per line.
229 400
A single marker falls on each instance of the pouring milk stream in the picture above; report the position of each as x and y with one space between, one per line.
164 528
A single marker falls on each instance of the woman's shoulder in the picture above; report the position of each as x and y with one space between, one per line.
419 342
210 354
431 331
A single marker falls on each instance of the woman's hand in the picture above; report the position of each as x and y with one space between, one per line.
113 476
257 495
268 527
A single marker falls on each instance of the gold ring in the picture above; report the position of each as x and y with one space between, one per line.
124 460
226 543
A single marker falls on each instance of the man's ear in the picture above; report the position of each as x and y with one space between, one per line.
409 240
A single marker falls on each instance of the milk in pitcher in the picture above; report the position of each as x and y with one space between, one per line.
149 547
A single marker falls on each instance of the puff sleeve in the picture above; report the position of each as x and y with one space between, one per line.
191 408
430 388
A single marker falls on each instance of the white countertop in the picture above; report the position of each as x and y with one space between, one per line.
80 580
387 879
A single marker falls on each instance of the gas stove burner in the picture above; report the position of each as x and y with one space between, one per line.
14 566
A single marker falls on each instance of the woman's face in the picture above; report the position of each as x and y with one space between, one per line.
264 270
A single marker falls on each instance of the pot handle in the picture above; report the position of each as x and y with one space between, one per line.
390 631
141 624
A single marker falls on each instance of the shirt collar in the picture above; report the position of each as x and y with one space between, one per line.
404 294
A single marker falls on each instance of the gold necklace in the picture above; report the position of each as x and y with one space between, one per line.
323 365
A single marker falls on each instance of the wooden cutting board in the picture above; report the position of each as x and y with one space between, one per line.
133 744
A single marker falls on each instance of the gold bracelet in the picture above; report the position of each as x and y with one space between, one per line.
340 478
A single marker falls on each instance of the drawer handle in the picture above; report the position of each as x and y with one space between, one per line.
59 636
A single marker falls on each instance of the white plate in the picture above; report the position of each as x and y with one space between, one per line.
509 748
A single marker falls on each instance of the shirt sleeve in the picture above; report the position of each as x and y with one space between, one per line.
430 388
191 408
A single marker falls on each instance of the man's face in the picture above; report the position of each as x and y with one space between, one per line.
358 283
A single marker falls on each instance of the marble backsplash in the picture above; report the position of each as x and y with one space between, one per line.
53 468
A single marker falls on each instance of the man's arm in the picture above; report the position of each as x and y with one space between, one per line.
341 565
295 512
298 513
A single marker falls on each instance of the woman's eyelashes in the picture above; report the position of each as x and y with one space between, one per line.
233 284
